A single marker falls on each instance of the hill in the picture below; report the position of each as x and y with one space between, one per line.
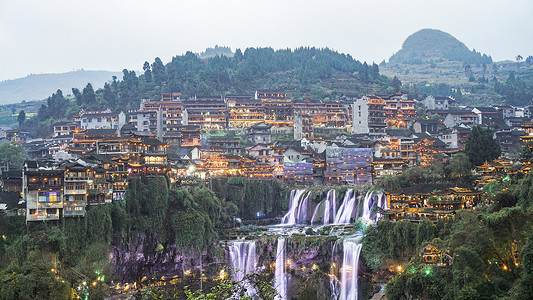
303 72
40 86
432 45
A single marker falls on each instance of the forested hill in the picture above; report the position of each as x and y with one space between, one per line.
432 45
304 72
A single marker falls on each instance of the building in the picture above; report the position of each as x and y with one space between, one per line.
368 115
64 128
229 145
303 127
399 111
432 202
244 111
279 110
438 103
42 190
489 116
351 166
259 133
313 108
206 112
100 119
458 117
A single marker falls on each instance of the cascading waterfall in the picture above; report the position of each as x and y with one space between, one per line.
367 206
243 258
301 216
345 213
329 206
333 280
350 265
280 280
290 217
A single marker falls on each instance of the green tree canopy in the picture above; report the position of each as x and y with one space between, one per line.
12 154
481 146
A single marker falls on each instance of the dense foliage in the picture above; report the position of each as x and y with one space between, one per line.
488 250
481 146
252 196
517 89
52 259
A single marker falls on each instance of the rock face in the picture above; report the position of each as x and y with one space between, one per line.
431 45
144 256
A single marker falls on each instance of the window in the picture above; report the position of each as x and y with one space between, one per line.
79 197
80 186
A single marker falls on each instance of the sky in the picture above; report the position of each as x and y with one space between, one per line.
55 36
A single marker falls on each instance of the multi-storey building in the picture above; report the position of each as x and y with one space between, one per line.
337 114
314 108
278 108
100 119
42 190
438 103
348 166
368 116
207 112
64 128
399 111
244 111
303 127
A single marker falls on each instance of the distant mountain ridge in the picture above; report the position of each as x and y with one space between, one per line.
40 86
432 45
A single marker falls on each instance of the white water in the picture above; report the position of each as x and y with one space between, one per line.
329 206
243 258
333 280
292 214
280 280
301 216
345 212
367 209
350 266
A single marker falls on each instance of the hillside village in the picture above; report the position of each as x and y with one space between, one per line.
350 141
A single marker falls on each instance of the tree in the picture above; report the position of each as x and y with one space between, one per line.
21 117
396 84
12 154
147 72
481 146
518 60
459 167
88 96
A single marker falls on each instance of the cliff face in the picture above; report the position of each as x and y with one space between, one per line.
145 256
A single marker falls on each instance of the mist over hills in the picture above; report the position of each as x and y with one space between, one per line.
432 45
40 86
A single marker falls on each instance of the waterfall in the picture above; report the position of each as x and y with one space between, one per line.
367 206
381 203
329 206
291 216
301 216
280 280
350 265
333 280
345 212
243 258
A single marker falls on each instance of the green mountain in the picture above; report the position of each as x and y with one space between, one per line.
40 86
432 45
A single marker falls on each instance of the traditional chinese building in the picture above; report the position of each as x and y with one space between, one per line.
244 111
278 108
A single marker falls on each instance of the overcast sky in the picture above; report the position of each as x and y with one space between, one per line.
52 36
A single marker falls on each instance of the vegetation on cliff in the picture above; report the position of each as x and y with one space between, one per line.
487 251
